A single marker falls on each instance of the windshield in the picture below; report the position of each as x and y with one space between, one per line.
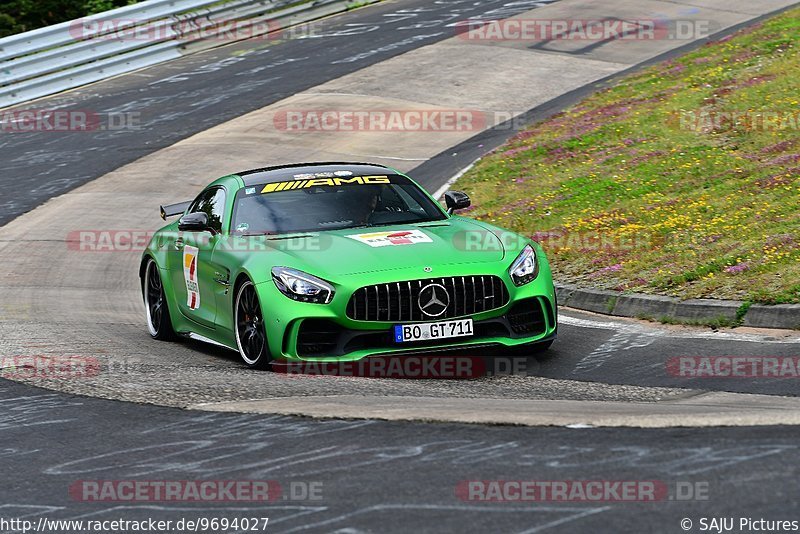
310 203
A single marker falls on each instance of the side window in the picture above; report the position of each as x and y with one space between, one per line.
212 203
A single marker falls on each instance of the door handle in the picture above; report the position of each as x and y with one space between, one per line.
179 244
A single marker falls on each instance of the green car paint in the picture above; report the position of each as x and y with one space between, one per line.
200 286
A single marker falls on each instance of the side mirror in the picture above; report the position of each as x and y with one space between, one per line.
194 222
456 200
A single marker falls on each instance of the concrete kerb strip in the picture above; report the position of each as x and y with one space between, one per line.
637 305
707 409
786 314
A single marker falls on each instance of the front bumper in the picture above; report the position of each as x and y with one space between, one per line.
299 331
526 321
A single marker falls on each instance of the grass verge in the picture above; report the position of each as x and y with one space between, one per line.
681 180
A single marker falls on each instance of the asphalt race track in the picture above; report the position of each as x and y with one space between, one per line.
398 459
381 477
181 98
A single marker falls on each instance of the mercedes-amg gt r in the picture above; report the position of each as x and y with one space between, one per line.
338 262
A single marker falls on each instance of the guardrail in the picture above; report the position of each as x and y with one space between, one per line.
74 53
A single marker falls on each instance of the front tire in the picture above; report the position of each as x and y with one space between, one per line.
155 303
251 336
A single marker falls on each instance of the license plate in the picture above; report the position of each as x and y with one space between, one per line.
429 331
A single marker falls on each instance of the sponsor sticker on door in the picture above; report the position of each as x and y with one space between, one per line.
190 275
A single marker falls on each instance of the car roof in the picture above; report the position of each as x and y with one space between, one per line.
284 172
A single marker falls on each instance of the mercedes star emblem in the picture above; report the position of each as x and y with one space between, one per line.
433 300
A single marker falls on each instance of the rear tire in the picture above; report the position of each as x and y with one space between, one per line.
251 336
155 303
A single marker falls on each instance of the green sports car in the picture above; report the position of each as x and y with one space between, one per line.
337 262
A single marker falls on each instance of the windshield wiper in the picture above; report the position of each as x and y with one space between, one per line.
279 235
258 234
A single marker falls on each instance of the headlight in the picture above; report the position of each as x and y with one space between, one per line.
524 269
301 286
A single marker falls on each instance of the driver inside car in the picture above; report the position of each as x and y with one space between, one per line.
364 201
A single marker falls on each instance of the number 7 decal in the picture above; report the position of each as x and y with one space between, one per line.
190 275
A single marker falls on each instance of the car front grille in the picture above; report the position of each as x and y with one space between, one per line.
400 301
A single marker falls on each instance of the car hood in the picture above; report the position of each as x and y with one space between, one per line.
353 251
